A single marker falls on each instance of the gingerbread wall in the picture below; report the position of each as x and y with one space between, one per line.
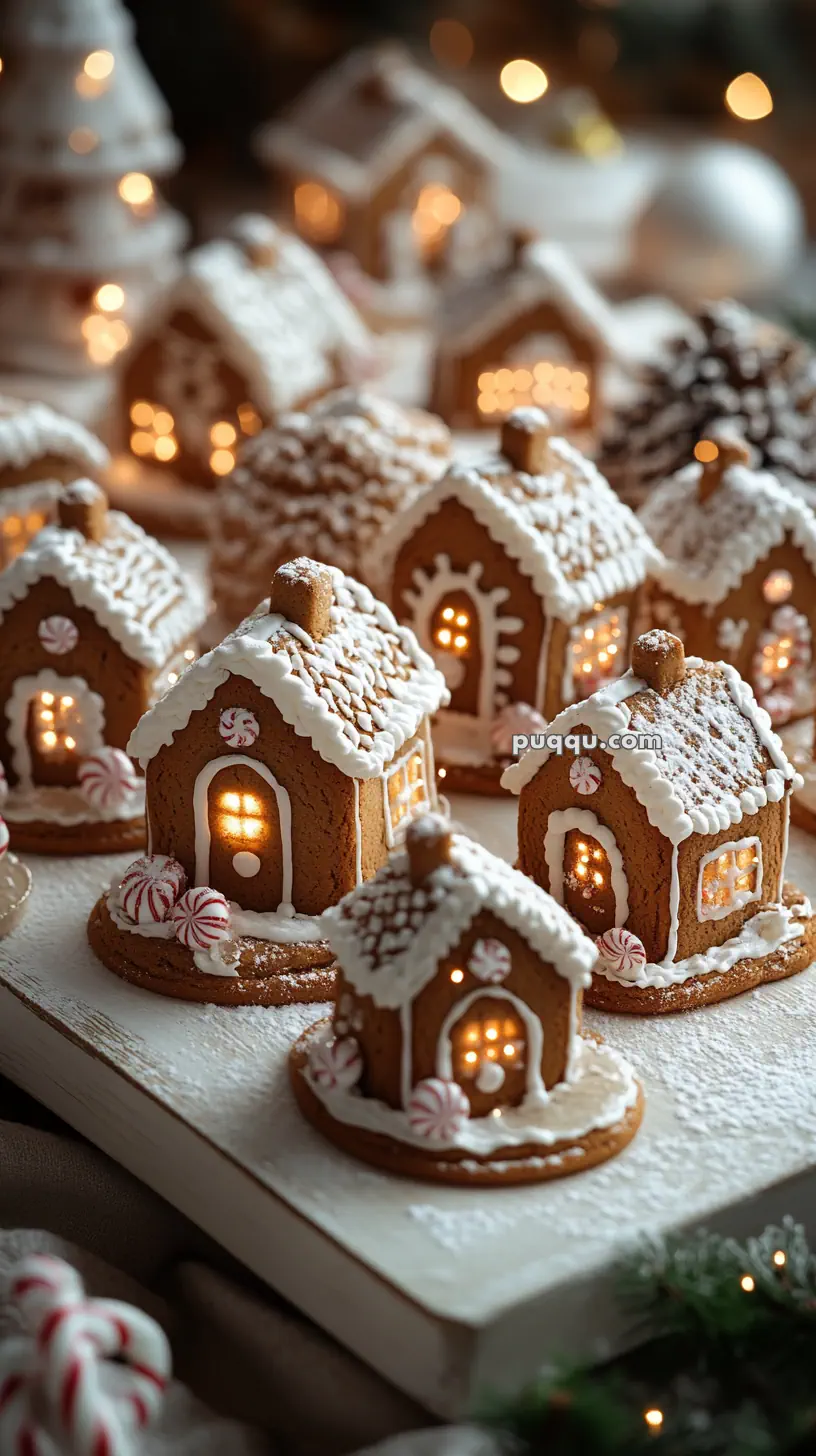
537 984
123 684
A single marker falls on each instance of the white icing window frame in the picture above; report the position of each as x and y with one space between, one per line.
395 833
90 733
201 818
559 823
535 1091
568 682
742 897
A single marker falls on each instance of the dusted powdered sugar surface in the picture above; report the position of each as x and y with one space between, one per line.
749 510
359 693
390 935
730 1111
566 528
133 586
30 431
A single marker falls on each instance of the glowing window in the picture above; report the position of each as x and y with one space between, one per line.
241 815
319 213
596 651
436 210
777 586
451 627
730 877
57 724
517 384
491 1038
406 791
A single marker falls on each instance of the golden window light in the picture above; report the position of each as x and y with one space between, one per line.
319 213
221 462
523 81
777 586
136 189
501 389
492 1039
56 721
457 976
249 419
99 65
110 297
223 433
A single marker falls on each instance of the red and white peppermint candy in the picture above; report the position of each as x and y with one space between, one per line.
58 635
84 1376
490 961
585 776
108 779
3 785
621 951
437 1110
512 720
238 727
4 837
150 887
201 918
336 1065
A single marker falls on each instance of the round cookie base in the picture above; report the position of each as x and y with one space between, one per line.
42 836
746 975
527 1163
471 778
273 975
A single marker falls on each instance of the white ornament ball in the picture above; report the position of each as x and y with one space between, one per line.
4 837
585 776
108 780
490 961
238 727
336 1065
150 887
726 220
58 635
622 953
438 1110
201 918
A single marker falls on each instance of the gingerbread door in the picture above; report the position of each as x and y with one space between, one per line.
489 1051
457 650
242 826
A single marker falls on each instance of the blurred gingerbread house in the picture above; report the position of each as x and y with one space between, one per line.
40 450
380 159
534 331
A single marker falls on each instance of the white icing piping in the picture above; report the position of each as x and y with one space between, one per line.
358 835
762 935
559 823
743 897
204 778
674 907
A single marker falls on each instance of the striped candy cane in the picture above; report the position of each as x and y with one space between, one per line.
59 1391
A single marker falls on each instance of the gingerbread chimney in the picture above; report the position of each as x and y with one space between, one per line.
428 842
717 453
658 658
83 506
302 593
525 439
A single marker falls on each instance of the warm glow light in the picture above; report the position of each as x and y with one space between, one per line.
189 655
252 828
448 614
443 636
508 1049
231 801
141 412
47 715
99 65
462 620
70 743
653 1417
777 586
48 699
223 433
747 1283
748 98
82 139
780 1258
471 1057
109 297
249 419
451 43
705 451
460 641
523 81
318 213
172 677
49 739
163 422
165 448
502 389
141 443
441 773
491 1033
457 976
136 189
232 825
221 462
66 702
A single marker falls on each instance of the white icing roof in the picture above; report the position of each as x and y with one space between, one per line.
358 694
282 325
749 511
30 431
134 588
355 142
390 936
711 768
543 272
566 529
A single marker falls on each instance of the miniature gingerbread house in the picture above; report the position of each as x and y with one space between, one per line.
255 326
534 331
380 160
521 576
455 1049
322 484
663 829
280 770
40 450
738 574
96 620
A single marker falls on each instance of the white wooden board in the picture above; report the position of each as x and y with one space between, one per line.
446 1292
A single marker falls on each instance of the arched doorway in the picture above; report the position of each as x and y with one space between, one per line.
457 648
491 1044
243 833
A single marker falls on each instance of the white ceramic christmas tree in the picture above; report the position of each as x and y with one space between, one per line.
84 238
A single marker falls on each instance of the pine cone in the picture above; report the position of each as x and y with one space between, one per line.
734 367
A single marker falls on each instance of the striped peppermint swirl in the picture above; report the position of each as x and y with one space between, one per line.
438 1110
108 779
201 918
336 1065
238 727
150 887
58 635
4 837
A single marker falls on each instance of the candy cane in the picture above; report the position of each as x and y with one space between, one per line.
59 1383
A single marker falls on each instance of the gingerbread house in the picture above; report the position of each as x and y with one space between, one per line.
737 578
380 160
280 770
40 450
96 620
534 331
254 326
322 484
661 824
522 577
455 1049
